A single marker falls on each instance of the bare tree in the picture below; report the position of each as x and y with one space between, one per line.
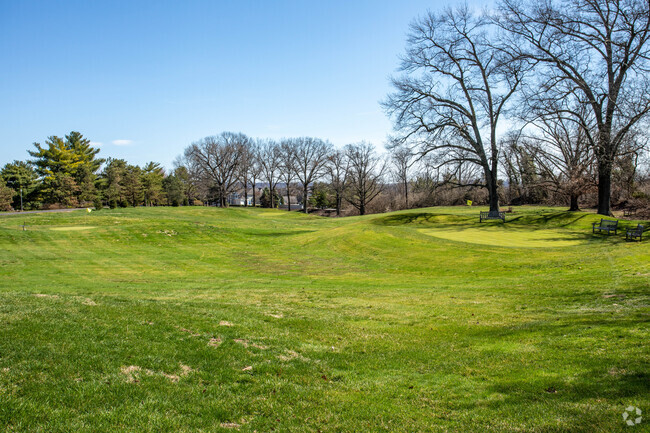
595 50
337 171
365 174
310 160
270 160
402 160
216 160
454 89
248 165
288 166
561 144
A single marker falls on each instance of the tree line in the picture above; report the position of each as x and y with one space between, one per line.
66 172
527 103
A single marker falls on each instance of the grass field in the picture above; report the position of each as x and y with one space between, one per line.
204 319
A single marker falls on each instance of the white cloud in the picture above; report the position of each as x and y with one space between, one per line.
122 142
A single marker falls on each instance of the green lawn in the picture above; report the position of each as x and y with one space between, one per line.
204 319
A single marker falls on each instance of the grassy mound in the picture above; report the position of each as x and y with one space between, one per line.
203 319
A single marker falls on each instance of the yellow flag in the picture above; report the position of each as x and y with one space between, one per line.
469 202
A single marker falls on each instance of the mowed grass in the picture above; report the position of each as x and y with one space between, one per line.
204 319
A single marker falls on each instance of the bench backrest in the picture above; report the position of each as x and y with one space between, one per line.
639 228
607 223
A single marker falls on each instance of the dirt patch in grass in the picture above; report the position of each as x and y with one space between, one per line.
186 369
247 343
131 373
42 295
230 425
290 355
214 342
72 228
225 323
192 333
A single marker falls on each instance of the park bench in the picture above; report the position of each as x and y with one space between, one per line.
605 226
634 233
491 216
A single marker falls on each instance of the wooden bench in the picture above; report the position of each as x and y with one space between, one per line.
605 226
635 233
491 216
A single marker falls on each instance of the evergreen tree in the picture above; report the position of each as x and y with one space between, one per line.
6 195
21 175
66 167
173 187
133 185
152 180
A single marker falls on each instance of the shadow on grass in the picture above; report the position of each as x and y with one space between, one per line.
423 218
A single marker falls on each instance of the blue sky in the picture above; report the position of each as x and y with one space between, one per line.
146 78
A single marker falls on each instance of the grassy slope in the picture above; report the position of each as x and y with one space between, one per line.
411 321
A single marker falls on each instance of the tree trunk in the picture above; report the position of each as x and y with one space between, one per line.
338 204
406 194
604 191
245 193
574 207
304 197
492 191
254 191
288 199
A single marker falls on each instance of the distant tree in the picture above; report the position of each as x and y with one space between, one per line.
561 142
132 185
6 195
365 176
173 188
337 172
111 182
216 160
66 166
319 198
152 176
21 175
249 168
287 166
269 199
310 162
402 159
256 168
270 160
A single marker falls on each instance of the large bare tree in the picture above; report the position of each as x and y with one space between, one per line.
453 91
365 175
594 50
216 160
310 160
